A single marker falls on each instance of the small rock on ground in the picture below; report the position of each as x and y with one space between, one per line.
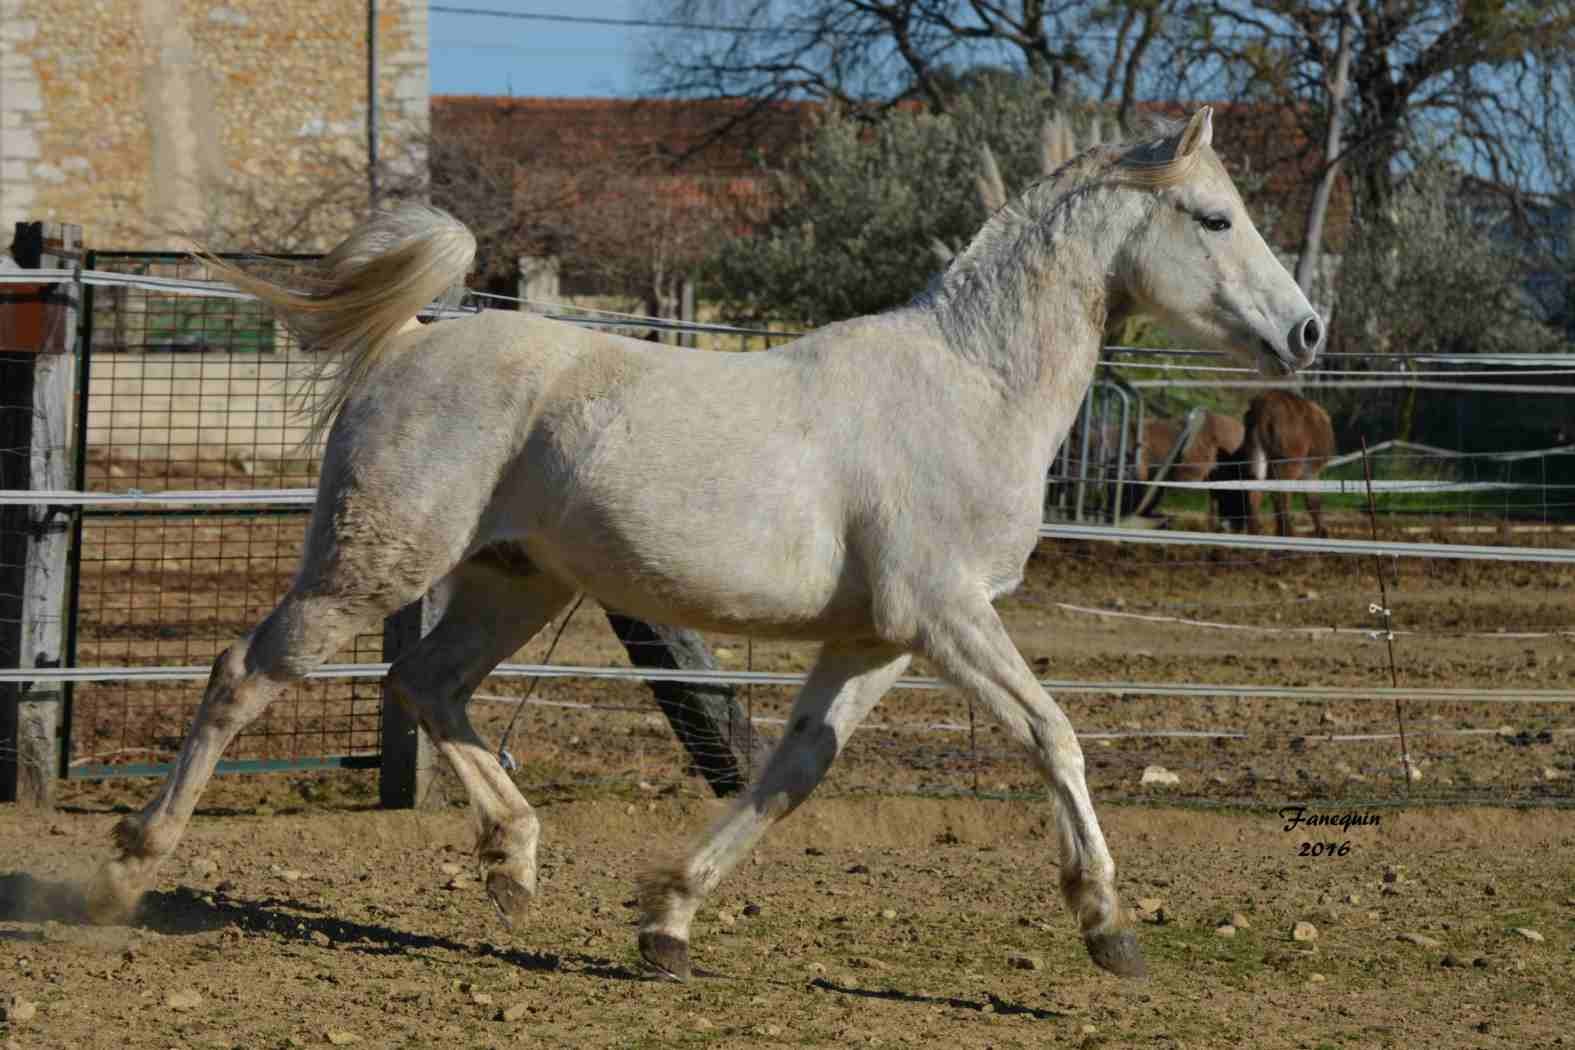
1238 920
1225 930
1528 933
514 1012
1304 931
341 1038
1025 962
1159 775
184 999
18 1009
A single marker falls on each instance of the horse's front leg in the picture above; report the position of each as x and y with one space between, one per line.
848 679
971 649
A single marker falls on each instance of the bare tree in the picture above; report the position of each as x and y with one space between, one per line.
863 53
1493 77
481 173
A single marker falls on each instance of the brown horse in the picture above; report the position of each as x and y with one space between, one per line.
1216 439
1288 438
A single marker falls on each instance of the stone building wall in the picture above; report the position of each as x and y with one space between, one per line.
241 122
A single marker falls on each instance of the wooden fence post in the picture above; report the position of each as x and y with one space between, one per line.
686 311
38 332
540 281
409 759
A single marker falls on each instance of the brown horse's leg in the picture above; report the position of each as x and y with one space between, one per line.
1315 511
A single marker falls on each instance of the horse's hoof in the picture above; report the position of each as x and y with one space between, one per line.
110 900
665 954
1116 951
510 896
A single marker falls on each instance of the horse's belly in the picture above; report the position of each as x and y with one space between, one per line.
798 587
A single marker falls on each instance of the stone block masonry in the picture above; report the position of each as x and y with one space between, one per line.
242 122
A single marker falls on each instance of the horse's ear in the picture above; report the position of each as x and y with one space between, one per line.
1199 133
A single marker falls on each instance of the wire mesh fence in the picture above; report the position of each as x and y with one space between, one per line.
193 393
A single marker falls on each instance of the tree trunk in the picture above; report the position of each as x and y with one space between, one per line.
1339 90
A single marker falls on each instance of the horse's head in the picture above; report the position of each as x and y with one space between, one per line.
1196 261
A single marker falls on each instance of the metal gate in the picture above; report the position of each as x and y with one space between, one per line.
178 392
1094 477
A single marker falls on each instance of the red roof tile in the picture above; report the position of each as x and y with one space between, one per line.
703 152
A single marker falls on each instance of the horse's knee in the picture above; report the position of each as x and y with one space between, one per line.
802 760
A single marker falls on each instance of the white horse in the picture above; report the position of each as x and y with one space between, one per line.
873 486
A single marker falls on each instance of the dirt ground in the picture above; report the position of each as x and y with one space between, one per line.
864 921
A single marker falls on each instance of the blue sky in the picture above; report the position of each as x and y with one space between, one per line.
474 55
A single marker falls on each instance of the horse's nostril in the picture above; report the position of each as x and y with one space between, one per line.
1311 333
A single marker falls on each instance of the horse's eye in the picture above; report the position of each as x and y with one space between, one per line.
1214 223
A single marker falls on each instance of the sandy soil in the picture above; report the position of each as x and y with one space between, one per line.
890 922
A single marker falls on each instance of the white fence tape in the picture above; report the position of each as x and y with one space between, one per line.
1449 453
1308 544
1351 384
1067 687
1350 486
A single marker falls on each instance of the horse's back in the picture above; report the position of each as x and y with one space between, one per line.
1286 426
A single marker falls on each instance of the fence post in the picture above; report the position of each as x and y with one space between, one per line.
408 761
686 311
38 328
539 281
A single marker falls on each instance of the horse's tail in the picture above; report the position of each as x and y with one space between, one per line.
365 291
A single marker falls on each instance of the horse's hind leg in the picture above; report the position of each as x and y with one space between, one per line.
493 605
848 679
972 650
304 630
1315 511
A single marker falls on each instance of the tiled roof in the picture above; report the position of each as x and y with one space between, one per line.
690 135
700 148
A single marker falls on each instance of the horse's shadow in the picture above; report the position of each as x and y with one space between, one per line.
184 911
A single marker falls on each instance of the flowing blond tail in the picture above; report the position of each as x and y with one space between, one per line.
390 266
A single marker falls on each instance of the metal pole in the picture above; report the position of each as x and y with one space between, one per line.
371 103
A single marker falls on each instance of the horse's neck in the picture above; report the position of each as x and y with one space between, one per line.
1028 302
